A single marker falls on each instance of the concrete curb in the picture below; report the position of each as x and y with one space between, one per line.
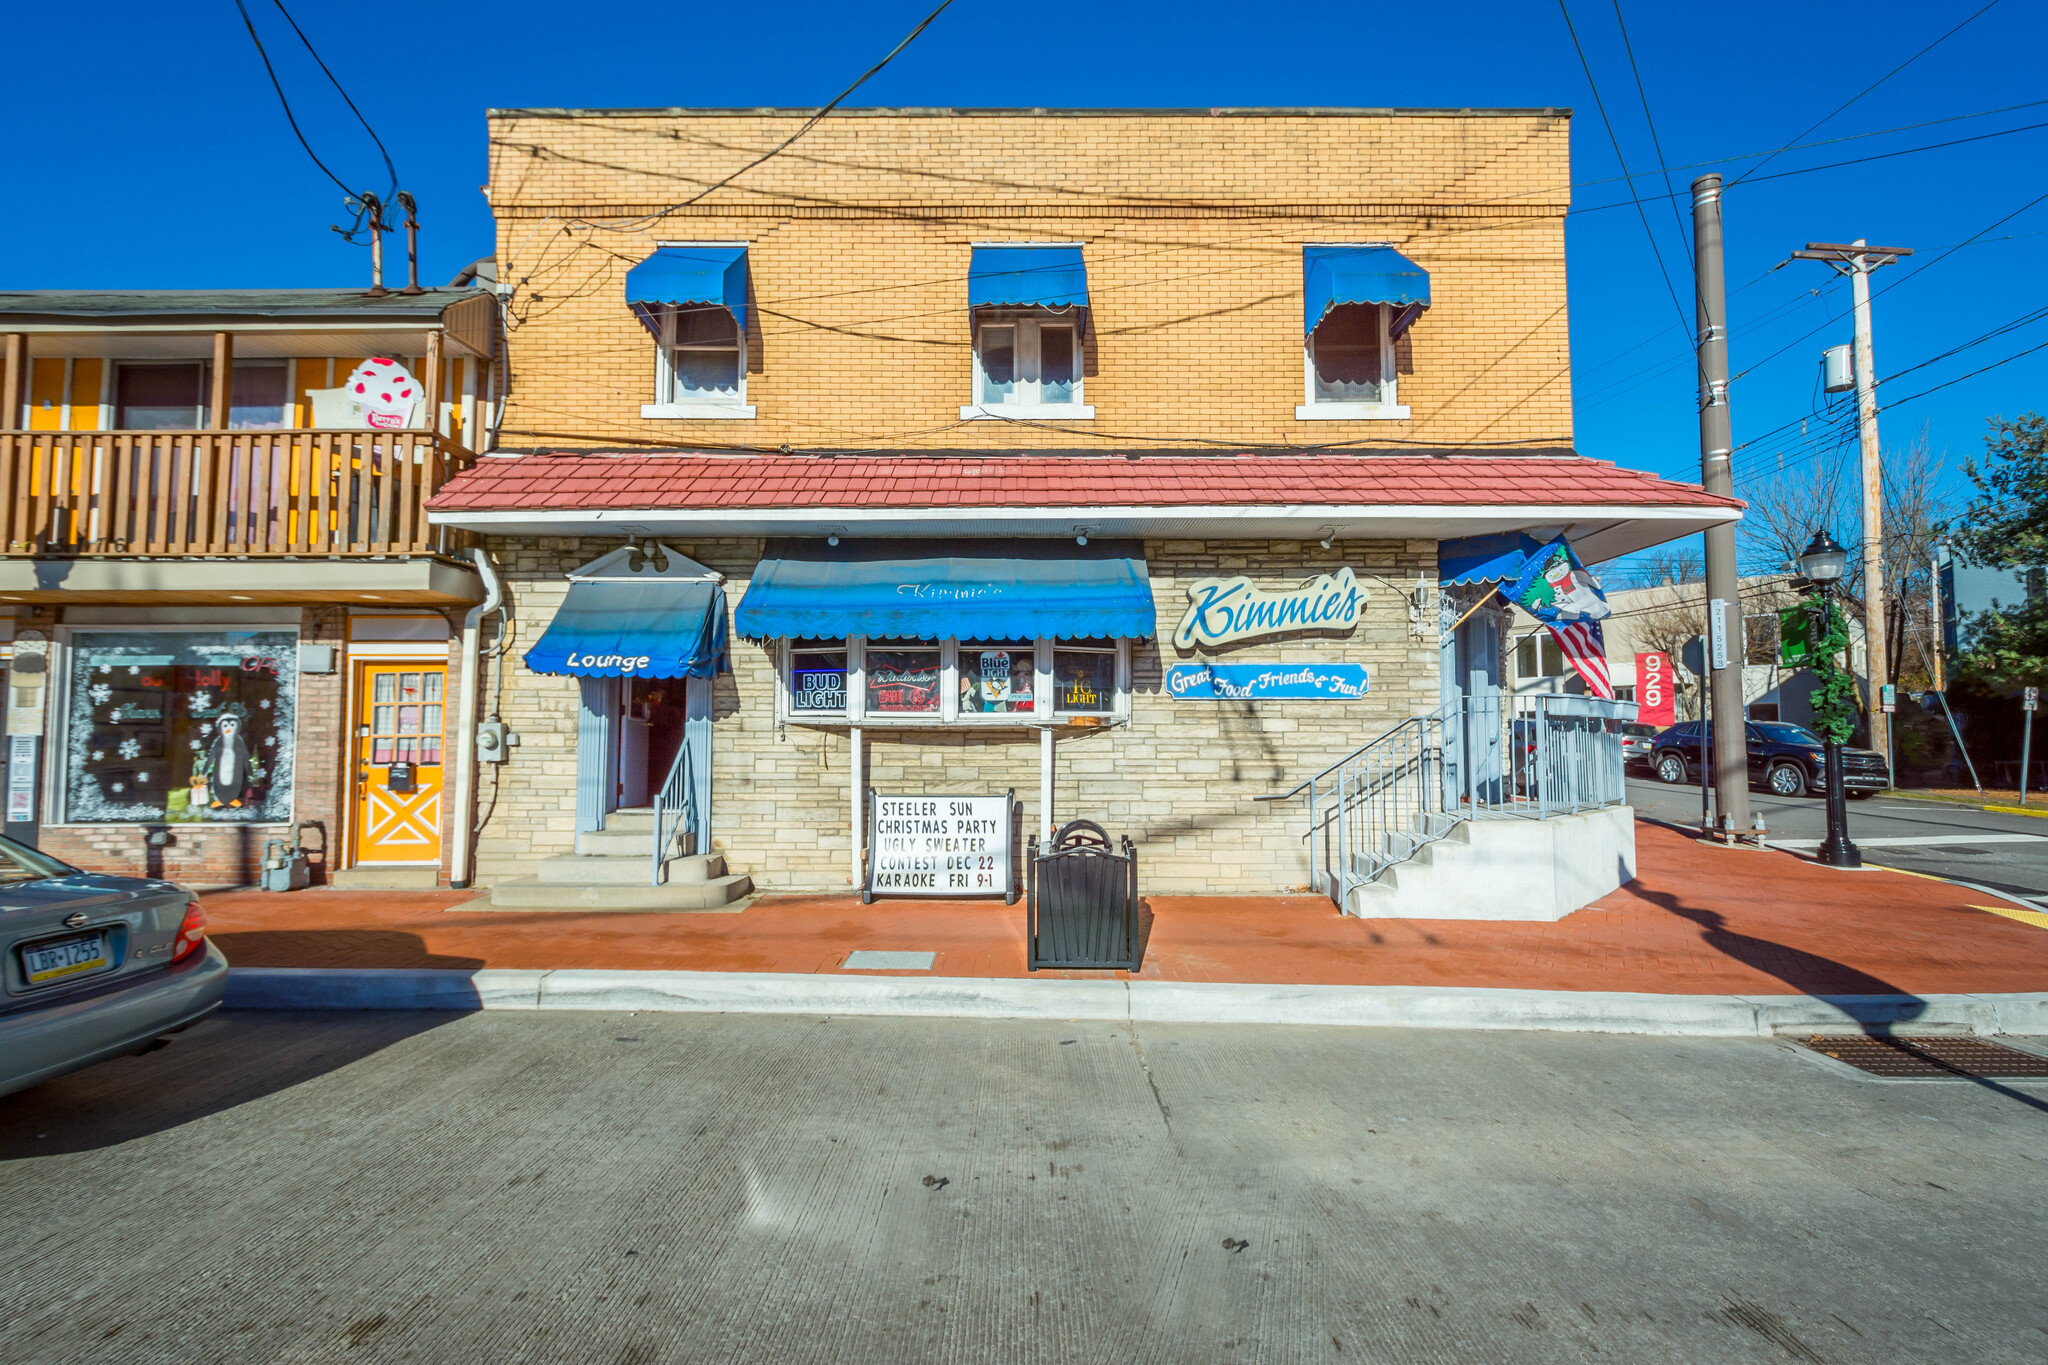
1181 1002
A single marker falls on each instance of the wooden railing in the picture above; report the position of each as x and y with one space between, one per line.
65 493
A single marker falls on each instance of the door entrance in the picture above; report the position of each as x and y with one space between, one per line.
397 762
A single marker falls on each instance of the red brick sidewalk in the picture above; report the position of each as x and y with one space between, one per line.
1698 920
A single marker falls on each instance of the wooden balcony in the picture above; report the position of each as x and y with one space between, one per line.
76 494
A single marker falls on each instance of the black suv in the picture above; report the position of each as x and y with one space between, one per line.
1786 759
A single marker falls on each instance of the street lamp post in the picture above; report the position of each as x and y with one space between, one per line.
1822 565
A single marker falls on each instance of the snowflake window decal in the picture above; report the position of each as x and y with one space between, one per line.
131 748
100 692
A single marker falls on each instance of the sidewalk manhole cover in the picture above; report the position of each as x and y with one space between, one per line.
875 960
1930 1058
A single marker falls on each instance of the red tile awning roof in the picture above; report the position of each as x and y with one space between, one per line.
694 481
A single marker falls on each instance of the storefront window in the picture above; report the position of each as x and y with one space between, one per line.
997 676
187 726
1084 677
903 676
817 677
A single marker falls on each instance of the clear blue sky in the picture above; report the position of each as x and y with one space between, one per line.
151 152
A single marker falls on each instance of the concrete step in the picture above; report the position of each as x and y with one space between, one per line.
530 893
575 869
631 820
1507 870
613 842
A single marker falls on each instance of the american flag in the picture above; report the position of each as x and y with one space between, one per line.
1586 649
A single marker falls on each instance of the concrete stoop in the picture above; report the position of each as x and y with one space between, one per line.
374 878
1508 869
610 872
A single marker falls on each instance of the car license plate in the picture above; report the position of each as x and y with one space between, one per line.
47 962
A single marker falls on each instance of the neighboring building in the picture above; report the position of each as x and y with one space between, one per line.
892 469
1969 590
1656 618
229 615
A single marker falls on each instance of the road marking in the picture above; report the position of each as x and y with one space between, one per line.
2033 917
1914 840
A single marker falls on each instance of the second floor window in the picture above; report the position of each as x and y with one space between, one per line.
703 358
1351 357
1027 360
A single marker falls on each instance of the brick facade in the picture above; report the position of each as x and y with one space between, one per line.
1178 779
859 240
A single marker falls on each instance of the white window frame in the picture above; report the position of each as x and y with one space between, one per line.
1043 710
1028 323
664 407
1388 409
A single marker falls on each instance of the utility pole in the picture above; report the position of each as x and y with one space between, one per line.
1937 628
1717 473
1856 260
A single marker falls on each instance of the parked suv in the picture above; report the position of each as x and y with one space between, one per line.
1786 759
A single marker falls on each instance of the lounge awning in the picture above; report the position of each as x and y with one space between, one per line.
1333 275
1496 558
965 589
713 276
1027 276
635 630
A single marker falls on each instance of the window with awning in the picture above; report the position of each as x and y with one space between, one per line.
693 299
966 632
1028 304
1357 301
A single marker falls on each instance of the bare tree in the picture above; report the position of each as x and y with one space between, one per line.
1826 494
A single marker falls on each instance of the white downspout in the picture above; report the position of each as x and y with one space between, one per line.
465 725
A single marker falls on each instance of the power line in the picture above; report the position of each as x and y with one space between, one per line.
809 123
250 24
1751 172
393 170
1655 144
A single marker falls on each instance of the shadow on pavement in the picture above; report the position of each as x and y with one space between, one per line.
335 948
220 1063
1872 1004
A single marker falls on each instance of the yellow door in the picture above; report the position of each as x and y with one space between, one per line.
398 762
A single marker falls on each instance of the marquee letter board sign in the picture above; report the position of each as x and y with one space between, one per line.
940 846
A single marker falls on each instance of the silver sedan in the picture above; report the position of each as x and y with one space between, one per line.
94 966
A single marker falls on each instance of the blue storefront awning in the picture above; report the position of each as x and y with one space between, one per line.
1499 558
1027 276
965 589
714 276
1334 275
635 630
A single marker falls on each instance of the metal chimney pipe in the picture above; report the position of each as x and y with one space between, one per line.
412 243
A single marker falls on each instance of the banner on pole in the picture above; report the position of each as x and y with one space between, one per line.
1655 704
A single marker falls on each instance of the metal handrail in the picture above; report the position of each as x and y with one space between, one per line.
678 794
1531 757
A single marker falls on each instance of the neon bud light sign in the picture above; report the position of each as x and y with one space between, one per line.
1224 610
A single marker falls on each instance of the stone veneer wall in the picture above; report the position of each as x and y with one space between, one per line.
1179 779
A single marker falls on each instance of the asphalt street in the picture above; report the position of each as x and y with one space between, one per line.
2006 852
630 1190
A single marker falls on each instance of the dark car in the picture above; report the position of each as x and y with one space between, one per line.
94 966
1786 759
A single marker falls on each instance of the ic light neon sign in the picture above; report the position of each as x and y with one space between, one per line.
1224 610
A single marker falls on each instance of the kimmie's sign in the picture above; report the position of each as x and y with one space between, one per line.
1223 611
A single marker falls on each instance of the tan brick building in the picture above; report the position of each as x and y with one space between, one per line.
937 424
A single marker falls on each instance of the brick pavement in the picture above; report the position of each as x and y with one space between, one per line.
1698 920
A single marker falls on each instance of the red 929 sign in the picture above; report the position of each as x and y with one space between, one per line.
1653 690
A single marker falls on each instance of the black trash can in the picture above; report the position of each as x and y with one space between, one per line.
1081 906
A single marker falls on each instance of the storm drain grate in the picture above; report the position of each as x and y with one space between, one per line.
1930 1058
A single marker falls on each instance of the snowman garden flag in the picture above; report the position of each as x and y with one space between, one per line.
1562 593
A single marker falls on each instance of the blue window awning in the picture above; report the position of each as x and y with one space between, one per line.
965 589
1499 558
635 630
714 276
1334 275
1027 276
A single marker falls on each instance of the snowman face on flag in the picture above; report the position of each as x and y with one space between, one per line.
1562 590
383 393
